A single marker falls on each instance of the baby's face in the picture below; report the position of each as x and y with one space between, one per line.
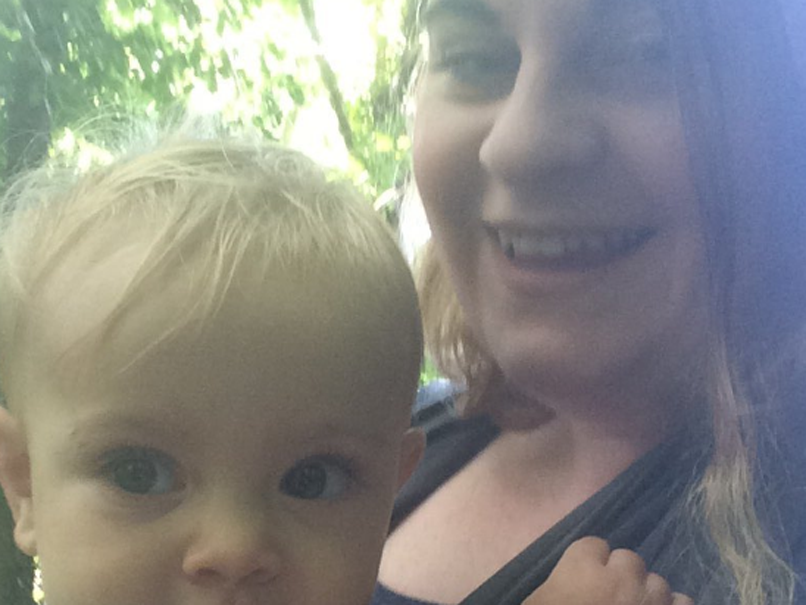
253 463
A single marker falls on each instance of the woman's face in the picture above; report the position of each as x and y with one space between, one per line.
550 157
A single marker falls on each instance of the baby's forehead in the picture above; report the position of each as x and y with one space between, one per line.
84 284
107 292
289 337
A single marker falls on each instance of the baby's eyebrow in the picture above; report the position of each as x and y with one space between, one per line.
89 430
472 10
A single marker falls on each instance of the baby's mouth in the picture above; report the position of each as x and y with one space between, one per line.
570 249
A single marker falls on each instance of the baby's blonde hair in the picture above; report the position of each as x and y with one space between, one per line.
206 205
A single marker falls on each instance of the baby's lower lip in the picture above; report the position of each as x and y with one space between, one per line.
569 250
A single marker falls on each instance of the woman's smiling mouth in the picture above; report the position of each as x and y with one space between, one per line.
569 249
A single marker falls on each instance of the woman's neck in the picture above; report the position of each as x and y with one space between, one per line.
581 443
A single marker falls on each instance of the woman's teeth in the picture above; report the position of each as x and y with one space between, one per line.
557 247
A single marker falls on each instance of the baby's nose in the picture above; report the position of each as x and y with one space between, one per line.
233 548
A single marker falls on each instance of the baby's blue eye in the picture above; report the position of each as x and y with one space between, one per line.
325 478
141 471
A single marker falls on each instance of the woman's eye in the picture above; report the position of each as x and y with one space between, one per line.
141 471
491 72
325 478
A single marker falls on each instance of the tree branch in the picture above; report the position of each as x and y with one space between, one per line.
328 76
28 122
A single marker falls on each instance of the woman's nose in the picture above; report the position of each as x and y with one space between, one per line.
233 548
544 125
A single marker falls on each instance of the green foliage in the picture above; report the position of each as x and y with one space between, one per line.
429 372
64 62
381 143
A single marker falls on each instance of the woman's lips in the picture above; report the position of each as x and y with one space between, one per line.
569 250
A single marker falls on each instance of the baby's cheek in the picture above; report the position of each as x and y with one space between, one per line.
342 575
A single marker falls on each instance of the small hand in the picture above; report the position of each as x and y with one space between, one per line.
589 573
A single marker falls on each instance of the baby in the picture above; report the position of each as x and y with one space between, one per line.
209 352
209 356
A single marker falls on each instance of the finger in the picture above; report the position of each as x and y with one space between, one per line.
579 571
658 591
628 563
681 599
626 576
586 550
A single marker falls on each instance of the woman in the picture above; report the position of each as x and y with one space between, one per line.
616 193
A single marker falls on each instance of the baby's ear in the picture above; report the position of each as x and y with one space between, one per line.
411 452
15 479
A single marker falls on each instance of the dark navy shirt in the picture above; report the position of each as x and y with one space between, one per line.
642 509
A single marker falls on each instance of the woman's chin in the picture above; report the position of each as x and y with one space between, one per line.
550 379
